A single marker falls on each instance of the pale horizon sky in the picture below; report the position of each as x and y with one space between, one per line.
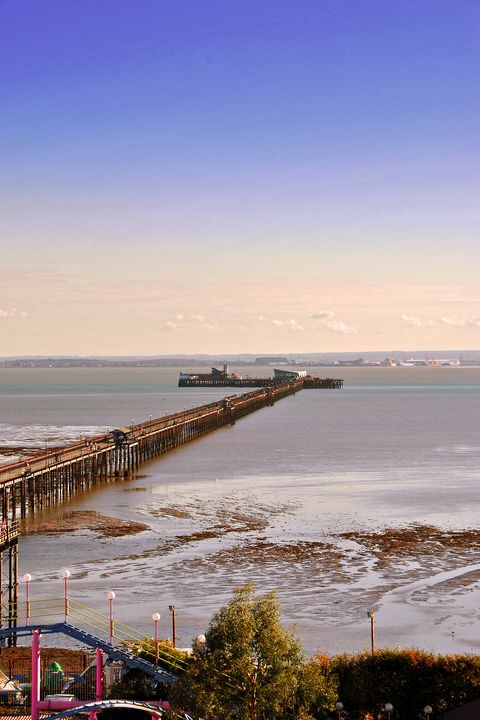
226 177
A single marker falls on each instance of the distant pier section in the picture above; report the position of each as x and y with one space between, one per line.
221 377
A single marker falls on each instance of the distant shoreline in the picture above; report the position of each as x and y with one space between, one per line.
182 363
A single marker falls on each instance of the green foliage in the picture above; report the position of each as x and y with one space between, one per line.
133 685
169 658
249 667
317 691
409 679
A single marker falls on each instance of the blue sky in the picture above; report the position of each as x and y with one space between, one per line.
238 176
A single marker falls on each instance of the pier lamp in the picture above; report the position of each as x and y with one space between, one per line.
156 620
371 615
388 709
111 598
339 708
201 641
174 625
26 579
65 574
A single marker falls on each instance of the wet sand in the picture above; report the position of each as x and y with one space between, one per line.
320 583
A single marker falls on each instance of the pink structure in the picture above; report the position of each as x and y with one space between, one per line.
57 704
35 685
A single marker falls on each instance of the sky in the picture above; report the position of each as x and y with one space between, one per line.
228 176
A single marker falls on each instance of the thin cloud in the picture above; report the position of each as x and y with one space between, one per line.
325 319
189 322
322 315
341 327
411 321
289 324
12 312
457 321
448 321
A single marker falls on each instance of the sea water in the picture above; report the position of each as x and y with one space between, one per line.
298 498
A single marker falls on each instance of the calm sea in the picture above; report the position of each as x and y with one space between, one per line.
287 498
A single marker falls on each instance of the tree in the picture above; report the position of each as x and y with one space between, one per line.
318 690
248 667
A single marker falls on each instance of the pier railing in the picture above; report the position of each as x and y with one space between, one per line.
50 611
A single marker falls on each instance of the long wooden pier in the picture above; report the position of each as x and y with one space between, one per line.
54 476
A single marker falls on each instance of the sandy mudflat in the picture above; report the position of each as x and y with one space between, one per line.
73 521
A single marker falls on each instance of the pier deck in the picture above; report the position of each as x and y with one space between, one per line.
308 382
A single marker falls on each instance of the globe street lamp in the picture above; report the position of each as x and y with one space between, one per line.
388 708
201 642
111 598
339 708
26 578
156 620
65 574
428 711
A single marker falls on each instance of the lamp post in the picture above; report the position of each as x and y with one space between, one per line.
174 625
111 598
428 711
371 615
388 709
26 578
65 574
339 708
156 620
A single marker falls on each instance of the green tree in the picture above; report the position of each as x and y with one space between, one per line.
248 667
317 691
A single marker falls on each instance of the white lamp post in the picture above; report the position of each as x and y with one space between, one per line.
339 707
156 620
428 711
388 708
111 598
26 578
65 574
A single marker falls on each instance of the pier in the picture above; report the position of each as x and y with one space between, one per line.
54 476
222 378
